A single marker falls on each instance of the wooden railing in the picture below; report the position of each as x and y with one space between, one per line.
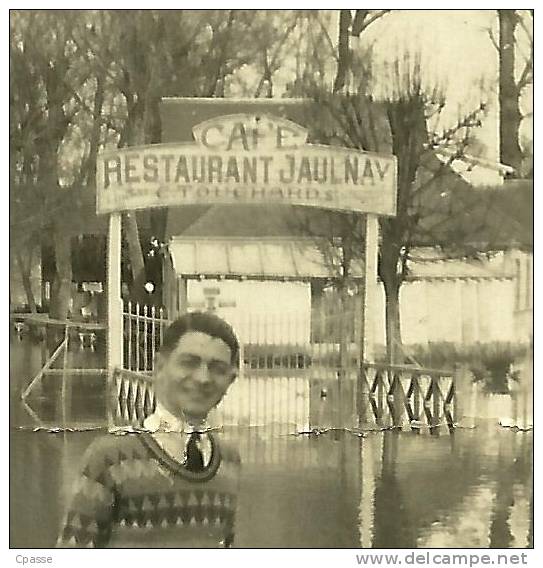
62 349
132 398
395 396
87 336
250 401
386 397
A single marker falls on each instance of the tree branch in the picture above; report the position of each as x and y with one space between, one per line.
327 38
360 23
271 66
221 59
526 76
493 39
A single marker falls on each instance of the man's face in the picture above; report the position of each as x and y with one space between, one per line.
195 376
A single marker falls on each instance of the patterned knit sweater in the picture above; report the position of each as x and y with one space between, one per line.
131 493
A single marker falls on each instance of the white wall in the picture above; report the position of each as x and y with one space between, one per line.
454 310
521 264
432 310
263 312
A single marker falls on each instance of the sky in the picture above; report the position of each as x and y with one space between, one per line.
456 51
456 54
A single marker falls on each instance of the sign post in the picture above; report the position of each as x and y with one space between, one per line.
369 283
114 301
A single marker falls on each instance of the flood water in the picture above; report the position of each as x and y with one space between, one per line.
389 489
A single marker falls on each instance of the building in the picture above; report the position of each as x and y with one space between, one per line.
255 266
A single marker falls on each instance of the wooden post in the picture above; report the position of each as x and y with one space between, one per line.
367 307
114 302
66 391
369 283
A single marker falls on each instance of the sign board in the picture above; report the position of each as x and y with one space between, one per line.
249 159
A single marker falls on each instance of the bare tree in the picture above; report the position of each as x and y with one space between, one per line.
82 81
515 44
45 71
350 25
426 184
272 40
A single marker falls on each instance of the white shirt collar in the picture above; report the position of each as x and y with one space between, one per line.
164 421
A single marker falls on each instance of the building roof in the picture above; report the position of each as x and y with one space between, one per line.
256 258
475 170
276 258
429 264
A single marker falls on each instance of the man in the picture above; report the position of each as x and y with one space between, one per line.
172 485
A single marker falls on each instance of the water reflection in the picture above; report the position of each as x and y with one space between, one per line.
385 491
57 399
472 488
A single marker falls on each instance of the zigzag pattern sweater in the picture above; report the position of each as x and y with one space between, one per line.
132 494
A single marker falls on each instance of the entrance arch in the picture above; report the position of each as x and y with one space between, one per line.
254 157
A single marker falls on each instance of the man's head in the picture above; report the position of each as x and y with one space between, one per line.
198 361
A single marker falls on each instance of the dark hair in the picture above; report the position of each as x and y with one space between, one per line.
205 323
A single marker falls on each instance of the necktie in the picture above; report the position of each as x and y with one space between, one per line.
194 459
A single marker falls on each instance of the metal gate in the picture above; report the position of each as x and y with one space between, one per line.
298 345
289 366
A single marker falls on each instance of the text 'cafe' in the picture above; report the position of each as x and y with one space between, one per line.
234 160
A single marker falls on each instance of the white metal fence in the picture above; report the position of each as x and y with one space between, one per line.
290 375
289 367
315 344
143 330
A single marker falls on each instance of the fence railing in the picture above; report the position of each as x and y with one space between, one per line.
132 398
282 382
87 334
270 345
393 396
61 349
387 396
143 329
251 401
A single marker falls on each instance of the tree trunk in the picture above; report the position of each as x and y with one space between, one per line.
393 322
27 284
144 128
61 289
343 50
137 262
510 117
342 328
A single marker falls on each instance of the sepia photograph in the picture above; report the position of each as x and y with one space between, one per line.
271 281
